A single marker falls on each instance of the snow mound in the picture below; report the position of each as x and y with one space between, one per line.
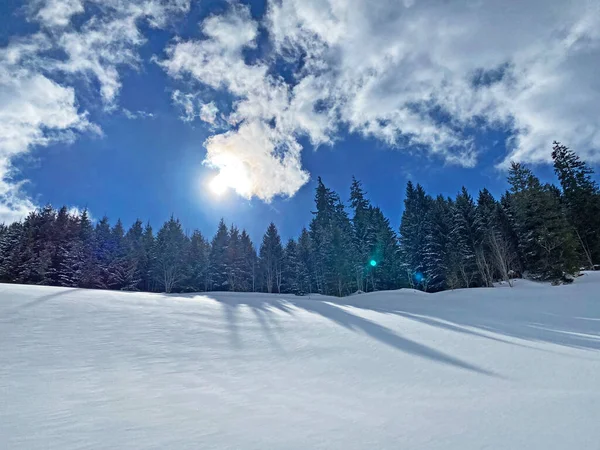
466 369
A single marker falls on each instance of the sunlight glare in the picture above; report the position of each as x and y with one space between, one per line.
232 174
217 185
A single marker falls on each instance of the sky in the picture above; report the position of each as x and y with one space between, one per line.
205 109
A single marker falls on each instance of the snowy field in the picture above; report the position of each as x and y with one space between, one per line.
471 369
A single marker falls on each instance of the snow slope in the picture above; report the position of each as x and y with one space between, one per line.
471 369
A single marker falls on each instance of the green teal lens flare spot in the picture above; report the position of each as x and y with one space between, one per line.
373 263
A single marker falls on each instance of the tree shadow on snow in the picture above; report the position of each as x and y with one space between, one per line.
505 313
263 306
39 301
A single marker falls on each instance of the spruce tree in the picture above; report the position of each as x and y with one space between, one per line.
383 267
413 232
137 258
169 256
218 264
582 200
305 262
544 233
441 269
249 264
79 267
103 253
362 242
197 263
123 271
234 260
290 269
466 239
271 255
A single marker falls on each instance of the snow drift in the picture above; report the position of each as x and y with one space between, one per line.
470 369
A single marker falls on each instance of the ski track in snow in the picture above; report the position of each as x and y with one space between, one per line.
468 369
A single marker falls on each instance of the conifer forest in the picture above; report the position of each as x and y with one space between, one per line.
535 230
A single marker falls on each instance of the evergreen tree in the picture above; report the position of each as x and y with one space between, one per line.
235 260
305 262
466 239
169 256
148 242
486 233
123 271
218 264
79 267
544 234
36 247
64 232
413 233
384 270
197 262
103 253
331 235
582 200
137 258
271 255
291 273
10 251
440 255
249 263
363 232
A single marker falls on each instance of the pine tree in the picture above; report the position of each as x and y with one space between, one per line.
197 262
169 256
413 233
465 237
442 272
64 231
79 267
290 269
36 247
249 263
362 242
486 234
136 256
384 271
582 200
305 262
341 265
234 260
123 272
544 234
218 267
10 252
271 255
103 253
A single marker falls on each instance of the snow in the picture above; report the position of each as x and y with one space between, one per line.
494 369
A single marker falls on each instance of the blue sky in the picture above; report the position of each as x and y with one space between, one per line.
135 109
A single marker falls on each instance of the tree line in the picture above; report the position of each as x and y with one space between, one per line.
535 230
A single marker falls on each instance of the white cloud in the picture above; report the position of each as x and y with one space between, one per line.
413 74
267 161
208 113
386 63
56 13
36 109
104 43
133 115
268 115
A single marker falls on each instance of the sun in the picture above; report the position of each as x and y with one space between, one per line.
231 176
218 185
